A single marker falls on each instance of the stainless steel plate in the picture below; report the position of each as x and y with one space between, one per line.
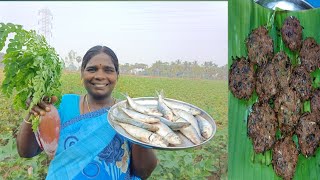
151 101
290 5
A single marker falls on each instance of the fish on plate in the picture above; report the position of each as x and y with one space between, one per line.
175 125
191 133
144 135
189 117
205 127
141 108
139 116
169 135
146 126
163 108
187 108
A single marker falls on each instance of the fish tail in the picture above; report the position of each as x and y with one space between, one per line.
157 94
129 100
162 93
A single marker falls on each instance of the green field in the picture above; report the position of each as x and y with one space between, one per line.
206 162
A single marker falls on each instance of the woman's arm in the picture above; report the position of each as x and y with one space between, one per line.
144 161
27 144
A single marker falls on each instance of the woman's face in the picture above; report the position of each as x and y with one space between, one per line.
100 76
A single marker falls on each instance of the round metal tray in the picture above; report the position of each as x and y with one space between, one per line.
151 101
290 5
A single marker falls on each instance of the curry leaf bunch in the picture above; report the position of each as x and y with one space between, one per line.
32 67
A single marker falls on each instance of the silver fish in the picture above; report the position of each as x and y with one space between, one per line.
137 123
138 116
176 105
175 125
187 116
170 136
144 135
185 140
191 133
205 127
143 109
163 108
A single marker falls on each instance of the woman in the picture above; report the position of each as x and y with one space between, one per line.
88 147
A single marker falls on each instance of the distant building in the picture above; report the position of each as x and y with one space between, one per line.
136 70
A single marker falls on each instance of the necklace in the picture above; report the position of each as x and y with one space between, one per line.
86 98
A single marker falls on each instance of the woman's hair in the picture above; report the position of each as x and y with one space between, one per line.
97 50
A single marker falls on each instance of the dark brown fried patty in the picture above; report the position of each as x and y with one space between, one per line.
262 126
310 54
315 103
282 68
291 32
266 83
287 105
285 157
241 78
260 46
301 82
308 132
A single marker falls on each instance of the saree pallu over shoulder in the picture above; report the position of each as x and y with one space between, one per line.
88 146
80 150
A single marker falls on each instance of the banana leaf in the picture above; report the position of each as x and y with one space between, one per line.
244 16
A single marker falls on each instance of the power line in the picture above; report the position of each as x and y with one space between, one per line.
45 18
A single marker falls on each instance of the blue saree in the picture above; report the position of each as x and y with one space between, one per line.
88 147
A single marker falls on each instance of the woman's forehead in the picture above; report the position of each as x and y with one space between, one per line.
101 59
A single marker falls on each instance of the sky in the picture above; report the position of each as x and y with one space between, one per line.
138 32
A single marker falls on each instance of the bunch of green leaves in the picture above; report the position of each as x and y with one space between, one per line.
32 67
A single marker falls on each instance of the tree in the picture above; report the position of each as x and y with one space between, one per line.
207 70
72 61
78 59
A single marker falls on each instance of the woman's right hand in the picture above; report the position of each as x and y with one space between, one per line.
42 107
27 144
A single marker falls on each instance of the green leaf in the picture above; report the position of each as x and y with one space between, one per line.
296 141
306 106
188 159
316 78
209 165
7 150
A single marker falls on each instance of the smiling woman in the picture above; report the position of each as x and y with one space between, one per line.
88 147
100 75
